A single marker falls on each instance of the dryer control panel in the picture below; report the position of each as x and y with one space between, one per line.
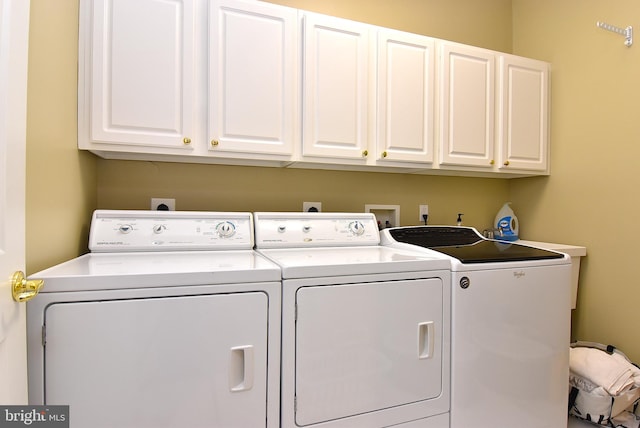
301 230
119 231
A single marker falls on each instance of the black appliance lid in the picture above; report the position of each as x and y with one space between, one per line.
466 245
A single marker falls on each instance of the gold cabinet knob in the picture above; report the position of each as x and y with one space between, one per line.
506 163
214 143
186 140
491 162
23 289
365 153
384 154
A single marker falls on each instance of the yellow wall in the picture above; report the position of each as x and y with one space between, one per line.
61 181
227 188
590 198
485 23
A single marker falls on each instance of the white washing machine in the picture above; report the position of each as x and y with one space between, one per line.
172 320
510 327
365 328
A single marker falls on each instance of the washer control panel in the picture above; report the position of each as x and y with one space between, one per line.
291 230
116 231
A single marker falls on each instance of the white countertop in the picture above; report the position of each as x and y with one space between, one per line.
571 250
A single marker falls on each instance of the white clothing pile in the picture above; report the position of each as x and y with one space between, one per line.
606 387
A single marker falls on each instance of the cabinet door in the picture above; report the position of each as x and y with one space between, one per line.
252 77
405 97
523 114
335 87
467 109
190 361
140 86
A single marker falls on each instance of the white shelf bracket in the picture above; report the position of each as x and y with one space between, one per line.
626 32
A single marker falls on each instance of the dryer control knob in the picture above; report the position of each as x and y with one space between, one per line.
226 229
356 227
125 228
159 228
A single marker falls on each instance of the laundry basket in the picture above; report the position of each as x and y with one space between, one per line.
604 386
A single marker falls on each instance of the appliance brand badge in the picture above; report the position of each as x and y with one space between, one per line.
519 273
465 282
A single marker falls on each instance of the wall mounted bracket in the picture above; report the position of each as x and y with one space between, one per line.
626 32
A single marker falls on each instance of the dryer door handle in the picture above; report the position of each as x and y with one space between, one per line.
426 339
241 368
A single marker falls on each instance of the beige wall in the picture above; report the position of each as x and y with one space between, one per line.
61 181
130 185
590 198
485 23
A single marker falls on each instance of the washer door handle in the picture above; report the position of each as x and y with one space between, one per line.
241 368
426 339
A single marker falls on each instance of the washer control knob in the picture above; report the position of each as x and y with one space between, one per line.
159 228
306 228
282 228
226 229
125 228
356 227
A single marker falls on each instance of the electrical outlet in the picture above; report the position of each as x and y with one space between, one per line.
312 207
424 210
163 204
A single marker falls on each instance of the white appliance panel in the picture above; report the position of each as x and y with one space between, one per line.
306 230
198 361
510 336
114 230
365 347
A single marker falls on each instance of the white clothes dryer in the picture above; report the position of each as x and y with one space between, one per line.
172 320
365 328
510 327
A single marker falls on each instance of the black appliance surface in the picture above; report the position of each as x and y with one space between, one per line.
466 245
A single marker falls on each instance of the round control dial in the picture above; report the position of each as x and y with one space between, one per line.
356 227
226 229
125 228
159 228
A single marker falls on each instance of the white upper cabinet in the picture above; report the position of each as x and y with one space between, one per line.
335 88
252 79
467 107
136 80
248 82
523 138
405 97
494 122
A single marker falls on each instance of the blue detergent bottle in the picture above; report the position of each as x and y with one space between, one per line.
507 222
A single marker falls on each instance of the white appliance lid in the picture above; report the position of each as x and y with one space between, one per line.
338 261
104 271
